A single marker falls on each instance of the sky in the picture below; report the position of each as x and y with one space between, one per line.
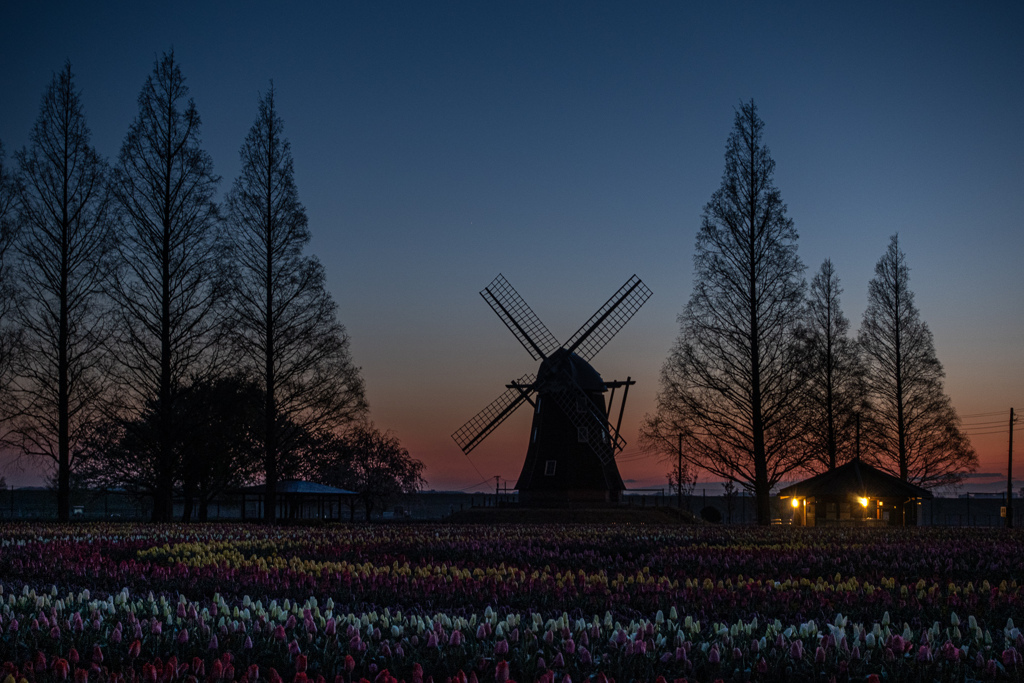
569 145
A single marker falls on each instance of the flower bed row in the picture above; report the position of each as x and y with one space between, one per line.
220 603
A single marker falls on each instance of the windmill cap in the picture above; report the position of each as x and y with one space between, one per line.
582 372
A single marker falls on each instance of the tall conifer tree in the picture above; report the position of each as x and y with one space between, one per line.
170 293
65 244
285 324
915 431
731 384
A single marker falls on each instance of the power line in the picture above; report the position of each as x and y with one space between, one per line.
479 483
998 412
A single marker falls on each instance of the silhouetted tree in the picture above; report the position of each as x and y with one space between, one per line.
10 333
730 385
372 463
218 422
169 294
213 426
831 362
65 243
915 432
285 325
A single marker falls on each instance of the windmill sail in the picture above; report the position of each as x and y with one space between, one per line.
519 318
591 424
609 319
469 435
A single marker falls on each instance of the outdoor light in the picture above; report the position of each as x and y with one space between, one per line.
863 502
796 503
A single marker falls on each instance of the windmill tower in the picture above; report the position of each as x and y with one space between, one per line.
571 455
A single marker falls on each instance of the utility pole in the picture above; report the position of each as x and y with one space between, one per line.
679 476
497 488
1009 476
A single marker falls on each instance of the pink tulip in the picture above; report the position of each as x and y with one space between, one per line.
819 655
501 673
796 649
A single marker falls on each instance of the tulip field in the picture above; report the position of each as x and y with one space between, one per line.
123 603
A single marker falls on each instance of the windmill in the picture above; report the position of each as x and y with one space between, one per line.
571 456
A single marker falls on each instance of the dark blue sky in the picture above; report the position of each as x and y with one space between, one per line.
569 145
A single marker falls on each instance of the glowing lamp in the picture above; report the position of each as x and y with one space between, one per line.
795 503
863 502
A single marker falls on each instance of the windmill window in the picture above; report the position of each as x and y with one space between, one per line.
536 410
549 468
533 438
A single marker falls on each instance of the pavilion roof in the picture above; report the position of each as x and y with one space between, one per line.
855 478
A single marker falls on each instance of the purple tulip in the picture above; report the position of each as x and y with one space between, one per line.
714 656
183 636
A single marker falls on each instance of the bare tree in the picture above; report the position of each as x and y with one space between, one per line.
834 372
286 328
915 432
170 291
372 463
730 384
65 245
10 333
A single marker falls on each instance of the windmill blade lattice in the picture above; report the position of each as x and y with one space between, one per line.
609 319
591 424
469 435
519 318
